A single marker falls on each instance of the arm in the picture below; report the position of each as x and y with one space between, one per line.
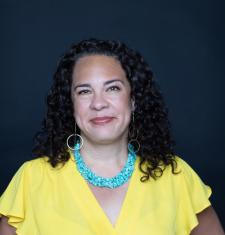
208 223
5 228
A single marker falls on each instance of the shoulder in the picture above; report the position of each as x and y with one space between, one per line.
186 171
29 170
191 185
34 171
184 177
182 167
41 165
34 165
35 174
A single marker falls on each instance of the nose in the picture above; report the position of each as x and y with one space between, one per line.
98 102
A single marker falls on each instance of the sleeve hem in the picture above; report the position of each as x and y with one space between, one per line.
12 219
196 223
207 203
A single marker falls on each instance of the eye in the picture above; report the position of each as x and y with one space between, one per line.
83 92
114 88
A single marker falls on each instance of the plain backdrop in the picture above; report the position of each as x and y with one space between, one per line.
183 41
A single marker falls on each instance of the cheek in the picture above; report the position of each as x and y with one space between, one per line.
80 109
124 104
123 108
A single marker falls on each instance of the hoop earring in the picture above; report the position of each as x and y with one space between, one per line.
133 138
131 133
130 146
81 141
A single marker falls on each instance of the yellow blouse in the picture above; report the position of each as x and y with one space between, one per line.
41 200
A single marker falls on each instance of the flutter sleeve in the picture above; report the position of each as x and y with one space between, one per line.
12 201
194 198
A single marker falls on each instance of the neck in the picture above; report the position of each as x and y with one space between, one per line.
112 154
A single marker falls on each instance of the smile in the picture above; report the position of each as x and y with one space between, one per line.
101 120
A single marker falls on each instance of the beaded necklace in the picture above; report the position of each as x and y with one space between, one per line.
122 177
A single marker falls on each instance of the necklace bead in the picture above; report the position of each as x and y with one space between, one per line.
122 177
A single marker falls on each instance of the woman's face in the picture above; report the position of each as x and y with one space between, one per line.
101 98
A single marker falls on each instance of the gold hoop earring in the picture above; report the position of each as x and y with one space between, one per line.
133 137
131 149
81 141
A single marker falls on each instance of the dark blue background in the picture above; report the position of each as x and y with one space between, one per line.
183 41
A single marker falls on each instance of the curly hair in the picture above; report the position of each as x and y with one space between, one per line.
151 115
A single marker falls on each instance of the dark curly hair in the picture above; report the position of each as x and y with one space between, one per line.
151 115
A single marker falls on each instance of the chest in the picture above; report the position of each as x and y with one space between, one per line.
74 206
110 200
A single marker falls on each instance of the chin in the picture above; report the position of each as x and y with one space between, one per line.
105 134
104 139
107 138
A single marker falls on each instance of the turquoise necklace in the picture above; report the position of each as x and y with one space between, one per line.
114 182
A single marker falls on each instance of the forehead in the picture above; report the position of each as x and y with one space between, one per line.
98 66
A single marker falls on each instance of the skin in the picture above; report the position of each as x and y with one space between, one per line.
208 223
100 89
95 94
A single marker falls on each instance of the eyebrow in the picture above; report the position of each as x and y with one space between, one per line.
105 83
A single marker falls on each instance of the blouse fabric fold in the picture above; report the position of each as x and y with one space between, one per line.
41 200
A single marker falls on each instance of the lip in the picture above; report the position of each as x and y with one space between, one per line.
101 120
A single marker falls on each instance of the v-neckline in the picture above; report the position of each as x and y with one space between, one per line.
89 195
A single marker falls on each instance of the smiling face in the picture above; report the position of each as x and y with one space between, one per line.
101 98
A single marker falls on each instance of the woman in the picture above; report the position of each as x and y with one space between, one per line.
105 156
